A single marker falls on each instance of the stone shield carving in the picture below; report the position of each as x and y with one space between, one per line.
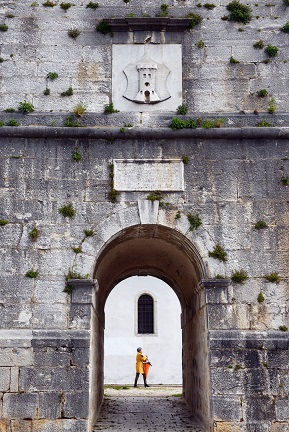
146 81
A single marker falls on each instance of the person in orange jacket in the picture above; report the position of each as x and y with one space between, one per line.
140 358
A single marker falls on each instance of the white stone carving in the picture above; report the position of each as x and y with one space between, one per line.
146 81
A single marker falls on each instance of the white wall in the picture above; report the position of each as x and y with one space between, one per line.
121 340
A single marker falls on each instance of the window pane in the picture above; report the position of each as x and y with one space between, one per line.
145 314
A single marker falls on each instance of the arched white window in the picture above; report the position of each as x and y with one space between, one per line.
145 314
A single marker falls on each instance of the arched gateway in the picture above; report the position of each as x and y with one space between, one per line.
168 255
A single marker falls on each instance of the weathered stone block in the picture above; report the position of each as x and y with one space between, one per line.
227 381
63 425
80 316
49 405
21 425
57 379
282 409
76 404
259 408
16 357
4 378
20 406
256 380
52 356
4 425
14 379
278 359
227 408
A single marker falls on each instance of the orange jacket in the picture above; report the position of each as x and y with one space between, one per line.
140 358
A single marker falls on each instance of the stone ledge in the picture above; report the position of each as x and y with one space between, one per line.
112 133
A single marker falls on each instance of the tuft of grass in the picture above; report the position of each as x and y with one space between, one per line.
2 123
178 215
104 28
3 27
262 93
92 5
12 122
260 298
185 159
194 221
283 328
67 211
182 110
177 395
34 233
273 277
76 155
77 249
239 276
31 274
3 222
52 75
25 107
155 196
285 181
271 51
46 92
209 6
272 106
68 92
285 28
89 232
79 110
65 6
73 33
263 123
9 110
233 60
201 44
218 253
195 19
260 225
259 44
178 123
109 109
239 12
164 12
49 3
70 123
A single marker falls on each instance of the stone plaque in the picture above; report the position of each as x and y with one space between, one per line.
148 175
147 77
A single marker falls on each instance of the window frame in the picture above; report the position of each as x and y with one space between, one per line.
155 333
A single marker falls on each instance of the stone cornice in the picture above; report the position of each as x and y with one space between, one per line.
149 24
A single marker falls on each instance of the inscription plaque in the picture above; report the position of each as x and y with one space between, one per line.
148 175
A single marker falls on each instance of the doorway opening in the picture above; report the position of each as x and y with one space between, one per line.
164 253
142 311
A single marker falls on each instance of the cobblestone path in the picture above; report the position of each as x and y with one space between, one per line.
145 414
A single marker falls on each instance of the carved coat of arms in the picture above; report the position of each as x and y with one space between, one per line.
146 81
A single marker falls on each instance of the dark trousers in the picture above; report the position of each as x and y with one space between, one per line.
137 377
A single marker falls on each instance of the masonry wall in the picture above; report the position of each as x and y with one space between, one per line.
231 184
37 42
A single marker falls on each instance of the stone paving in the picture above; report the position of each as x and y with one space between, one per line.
151 409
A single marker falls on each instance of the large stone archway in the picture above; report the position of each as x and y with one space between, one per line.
166 254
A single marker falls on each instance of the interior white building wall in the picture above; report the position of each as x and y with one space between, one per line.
164 348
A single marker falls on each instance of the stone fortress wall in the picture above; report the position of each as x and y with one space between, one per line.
235 343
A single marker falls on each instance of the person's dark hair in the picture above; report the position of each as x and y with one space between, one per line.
139 349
